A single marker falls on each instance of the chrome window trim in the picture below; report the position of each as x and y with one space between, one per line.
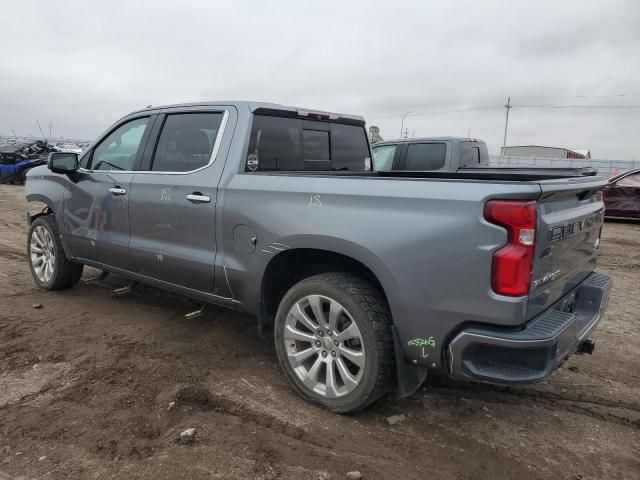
214 152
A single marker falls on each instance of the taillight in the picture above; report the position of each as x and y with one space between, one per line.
512 264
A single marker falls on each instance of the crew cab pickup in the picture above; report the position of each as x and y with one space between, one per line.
435 154
368 279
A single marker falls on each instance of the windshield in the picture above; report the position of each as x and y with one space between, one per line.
383 157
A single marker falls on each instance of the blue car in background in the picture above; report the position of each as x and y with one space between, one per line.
17 159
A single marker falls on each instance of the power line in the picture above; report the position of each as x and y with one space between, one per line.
493 107
483 99
619 95
576 106
420 114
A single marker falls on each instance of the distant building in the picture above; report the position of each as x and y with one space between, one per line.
544 152
374 133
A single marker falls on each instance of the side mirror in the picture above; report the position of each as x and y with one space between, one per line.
63 162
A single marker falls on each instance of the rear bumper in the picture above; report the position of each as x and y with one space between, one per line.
510 357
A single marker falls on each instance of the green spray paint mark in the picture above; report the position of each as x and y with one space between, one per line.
422 343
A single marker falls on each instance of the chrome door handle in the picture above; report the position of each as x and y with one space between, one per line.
198 198
118 191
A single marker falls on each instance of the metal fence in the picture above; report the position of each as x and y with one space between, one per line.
607 168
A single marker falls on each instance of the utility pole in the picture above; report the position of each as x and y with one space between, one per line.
406 133
50 128
40 128
402 124
506 122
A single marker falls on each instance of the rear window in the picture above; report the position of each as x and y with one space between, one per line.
425 156
292 144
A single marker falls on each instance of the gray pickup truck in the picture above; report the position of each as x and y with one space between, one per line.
368 279
435 154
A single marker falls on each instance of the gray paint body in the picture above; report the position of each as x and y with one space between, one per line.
425 240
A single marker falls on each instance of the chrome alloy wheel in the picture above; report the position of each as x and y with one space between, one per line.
42 253
324 346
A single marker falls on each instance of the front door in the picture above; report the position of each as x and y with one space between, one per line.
172 203
96 213
622 198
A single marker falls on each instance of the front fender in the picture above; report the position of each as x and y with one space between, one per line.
45 187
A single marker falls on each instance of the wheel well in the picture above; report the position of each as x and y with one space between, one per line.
46 210
291 266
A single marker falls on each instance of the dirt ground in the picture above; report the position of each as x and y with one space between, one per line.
86 382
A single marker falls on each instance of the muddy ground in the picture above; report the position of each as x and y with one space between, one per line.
86 381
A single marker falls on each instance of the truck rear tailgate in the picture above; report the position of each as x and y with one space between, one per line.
570 216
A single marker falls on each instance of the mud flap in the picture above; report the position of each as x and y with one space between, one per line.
410 377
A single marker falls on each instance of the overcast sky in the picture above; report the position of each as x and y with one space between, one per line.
83 64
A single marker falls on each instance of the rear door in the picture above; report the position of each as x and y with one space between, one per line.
472 154
173 199
570 217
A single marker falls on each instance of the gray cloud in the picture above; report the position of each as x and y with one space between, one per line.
84 64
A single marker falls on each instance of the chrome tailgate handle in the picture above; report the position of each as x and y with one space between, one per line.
118 191
198 198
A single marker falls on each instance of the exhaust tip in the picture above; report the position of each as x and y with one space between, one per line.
587 346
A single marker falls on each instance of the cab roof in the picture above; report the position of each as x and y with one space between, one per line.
253 107
427 139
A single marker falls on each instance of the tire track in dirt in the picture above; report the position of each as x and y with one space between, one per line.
201 397
615 412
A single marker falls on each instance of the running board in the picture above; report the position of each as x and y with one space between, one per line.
122 291
196 313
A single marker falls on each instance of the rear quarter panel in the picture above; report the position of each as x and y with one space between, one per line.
426 241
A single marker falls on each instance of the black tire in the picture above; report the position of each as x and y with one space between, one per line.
66 273
369 310
22 176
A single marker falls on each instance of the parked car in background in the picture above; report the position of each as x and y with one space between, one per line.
622 196
434 154
68 148
369 279
17 158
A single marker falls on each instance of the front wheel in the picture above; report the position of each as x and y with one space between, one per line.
334 342
50 268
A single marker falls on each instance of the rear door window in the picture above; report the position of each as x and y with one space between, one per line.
293 144
425 156
186 142
470 156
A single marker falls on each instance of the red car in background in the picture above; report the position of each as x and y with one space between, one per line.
622 196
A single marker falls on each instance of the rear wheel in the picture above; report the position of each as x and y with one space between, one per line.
50 268
334 342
